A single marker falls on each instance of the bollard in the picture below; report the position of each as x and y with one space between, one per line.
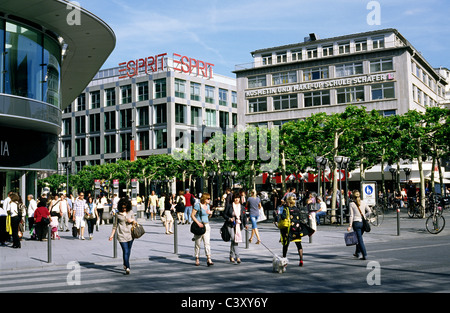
246 239
398 222
115 238
49 244
175 237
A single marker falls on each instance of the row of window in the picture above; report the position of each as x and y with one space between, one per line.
91 145
427 79
160 91
341 70
143 119
322 97
324 50
422 97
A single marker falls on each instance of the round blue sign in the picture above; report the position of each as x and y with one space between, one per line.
368 190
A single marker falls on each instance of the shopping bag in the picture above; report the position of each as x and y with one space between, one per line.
262 216
350 239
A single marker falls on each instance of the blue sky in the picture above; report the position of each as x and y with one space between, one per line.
225 32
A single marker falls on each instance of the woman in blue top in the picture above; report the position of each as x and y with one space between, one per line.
199 215
253 205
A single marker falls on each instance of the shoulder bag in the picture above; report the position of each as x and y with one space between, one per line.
366 225
137 231
197 230
284 223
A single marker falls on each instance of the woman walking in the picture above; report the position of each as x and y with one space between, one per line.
168 219
234 215
199 215
91 217
254 204
122 224
357 208
295 230
16 211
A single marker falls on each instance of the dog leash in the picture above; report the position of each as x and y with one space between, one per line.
267 248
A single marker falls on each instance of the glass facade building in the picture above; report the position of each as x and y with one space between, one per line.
31 65
39 75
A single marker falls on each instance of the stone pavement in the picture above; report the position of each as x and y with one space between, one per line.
156 244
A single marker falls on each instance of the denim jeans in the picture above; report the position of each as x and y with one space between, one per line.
360 247
126 248
187 214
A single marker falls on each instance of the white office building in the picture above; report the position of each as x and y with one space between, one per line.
158 103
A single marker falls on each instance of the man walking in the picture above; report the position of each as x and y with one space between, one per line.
188 208
79 208
64 209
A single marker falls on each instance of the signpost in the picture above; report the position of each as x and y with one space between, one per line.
369 192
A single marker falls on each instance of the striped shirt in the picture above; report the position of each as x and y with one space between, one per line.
79 206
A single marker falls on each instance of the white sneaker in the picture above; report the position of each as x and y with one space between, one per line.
82 238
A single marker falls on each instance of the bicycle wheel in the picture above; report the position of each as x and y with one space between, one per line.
420 211
376 217
435 224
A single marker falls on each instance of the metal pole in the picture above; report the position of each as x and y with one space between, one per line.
49 244
246 239
398 221
175 237
115 238
340 194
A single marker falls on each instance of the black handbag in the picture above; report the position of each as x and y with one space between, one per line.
366 225
197 230
225 233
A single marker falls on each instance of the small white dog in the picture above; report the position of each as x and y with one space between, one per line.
279 264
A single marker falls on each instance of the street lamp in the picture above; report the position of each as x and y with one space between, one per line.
321 164
393 171
341 161
212 174
407 172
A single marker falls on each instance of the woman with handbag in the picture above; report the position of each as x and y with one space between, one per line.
123 222
358 210
254 204
292 229
199 215
16 212
235 220
91 216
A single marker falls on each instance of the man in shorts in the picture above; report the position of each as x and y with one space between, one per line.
79 207
153 202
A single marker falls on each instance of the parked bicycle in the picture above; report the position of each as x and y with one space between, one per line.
435 223
415 209
376 216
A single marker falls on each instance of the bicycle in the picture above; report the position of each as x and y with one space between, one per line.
415 208
435 223
376 216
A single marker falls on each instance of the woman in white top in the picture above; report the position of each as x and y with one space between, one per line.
16 211
355 208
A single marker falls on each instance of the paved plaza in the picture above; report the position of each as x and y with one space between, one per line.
415 261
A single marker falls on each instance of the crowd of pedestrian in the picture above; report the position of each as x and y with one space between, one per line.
239 211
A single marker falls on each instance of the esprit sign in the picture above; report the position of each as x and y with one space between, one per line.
152 64
146 65
321 85
188 65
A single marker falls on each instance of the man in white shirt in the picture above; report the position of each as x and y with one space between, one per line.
322 209
32 206
64 209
